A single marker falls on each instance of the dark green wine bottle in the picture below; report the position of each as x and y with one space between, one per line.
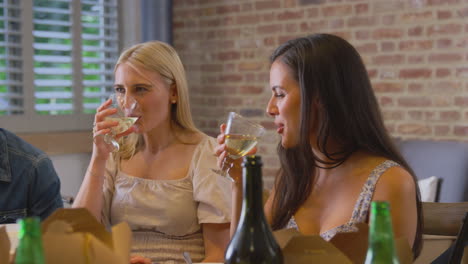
381 249
30 250
253 242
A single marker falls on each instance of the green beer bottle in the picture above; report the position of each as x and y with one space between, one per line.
381 248
30 250
253 242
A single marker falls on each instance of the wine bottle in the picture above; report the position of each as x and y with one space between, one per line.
253 241
30 250
381 249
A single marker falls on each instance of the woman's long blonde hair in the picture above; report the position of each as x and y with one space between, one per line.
162 58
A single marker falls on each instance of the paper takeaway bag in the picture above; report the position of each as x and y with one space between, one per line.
74 236
4 246
344 248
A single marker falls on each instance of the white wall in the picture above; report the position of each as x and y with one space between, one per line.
71 169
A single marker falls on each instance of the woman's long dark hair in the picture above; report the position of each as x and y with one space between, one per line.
330 71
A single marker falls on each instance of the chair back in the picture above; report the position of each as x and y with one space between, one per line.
443 218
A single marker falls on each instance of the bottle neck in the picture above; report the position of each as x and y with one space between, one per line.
381 231
253 191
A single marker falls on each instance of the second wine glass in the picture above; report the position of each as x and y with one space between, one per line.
241 137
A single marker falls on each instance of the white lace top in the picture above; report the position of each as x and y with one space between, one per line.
166 215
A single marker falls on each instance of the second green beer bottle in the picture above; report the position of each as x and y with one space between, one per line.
381 249
253 242
30 250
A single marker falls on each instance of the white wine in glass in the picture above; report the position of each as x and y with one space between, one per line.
239 145
122 105
241 137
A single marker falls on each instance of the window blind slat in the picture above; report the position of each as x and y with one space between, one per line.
51 58
51 34
53 83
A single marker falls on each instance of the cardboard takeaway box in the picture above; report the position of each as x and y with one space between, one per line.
344 248
74 236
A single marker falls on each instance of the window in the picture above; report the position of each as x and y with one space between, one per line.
56 62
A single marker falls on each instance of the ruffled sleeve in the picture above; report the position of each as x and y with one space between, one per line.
211 191
108 189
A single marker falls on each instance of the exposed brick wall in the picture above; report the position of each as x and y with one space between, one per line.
416 52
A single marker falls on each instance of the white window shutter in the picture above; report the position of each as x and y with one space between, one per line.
11 81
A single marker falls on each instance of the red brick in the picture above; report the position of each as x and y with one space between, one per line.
362 34
372 73
246 7
444 43
444 14
441 2
211 67
290 15
229 55
450 115
445 57
251 89
230 101
338 10
367 48
247 19
231 77
264 5
446 87
228 33
415 73
270 29
387 46
461 43
388 20
387 74
443 72
361 8
416 45
312 12
250 66
386 101
416 17
269 17
415 87
415 115
359 21
388 59
462 72
292 28
387 6
416 59
393 115
460 130
441 130
388 87
387 33
336 23
463 12
461 100
415 31
414 129
313 26
418 101
447 29
227 9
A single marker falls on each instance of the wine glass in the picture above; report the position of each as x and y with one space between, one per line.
241 137
124 105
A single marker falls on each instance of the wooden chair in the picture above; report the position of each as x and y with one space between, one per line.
444 222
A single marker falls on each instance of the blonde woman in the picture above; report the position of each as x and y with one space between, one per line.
160 181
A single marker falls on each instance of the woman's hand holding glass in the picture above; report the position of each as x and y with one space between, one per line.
237 139
111 122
